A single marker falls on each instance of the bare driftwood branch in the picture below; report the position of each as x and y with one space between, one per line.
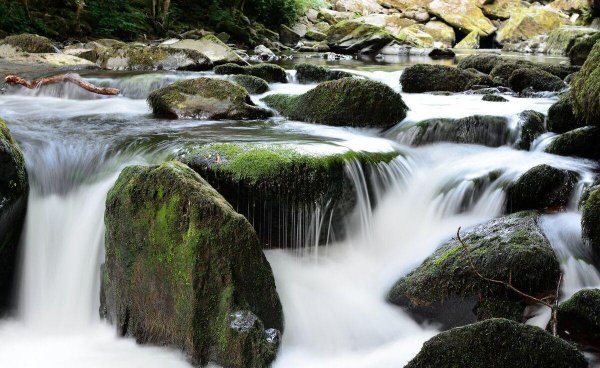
553 304
71 78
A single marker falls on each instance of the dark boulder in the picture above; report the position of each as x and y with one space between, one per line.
184 269
490 97
30 43
445 289
204 98
482 62
539 188
344 102
561 117
581 49
252 84
590 220
438 53
270 72
579 318
535 79
581 142
531 126
497 343
14 189
429 78
503 70
310 73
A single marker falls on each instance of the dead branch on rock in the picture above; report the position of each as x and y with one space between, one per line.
550 302
71 78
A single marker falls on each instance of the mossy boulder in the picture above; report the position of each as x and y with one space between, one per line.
146 58
541 187
415 36
579 318
29 43
349 37
585 89
504 69
441 32
581 49
581 142
310 73
502 9
14 189
270 72
470 42
445 289
490 97
492 131
536 80
526 23
561 40
481 62
561 117
497 343
344 102
204 98
590 220
214 49
531 126
184 269
274 185
463 15
429 78
252 84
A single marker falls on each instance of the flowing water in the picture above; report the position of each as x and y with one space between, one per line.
333 296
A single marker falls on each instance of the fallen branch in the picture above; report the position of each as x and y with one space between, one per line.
553 305
71 78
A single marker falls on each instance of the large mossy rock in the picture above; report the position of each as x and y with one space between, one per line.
541 187
147 58
492 131
184 269
214 49
252 84
270 72
590 220
534 79
481 62
561 117
504 69
531 126
441 32
444 288
561 40
14 189
429 78
344 102
274 186
585 89
415 36
463 15
502 9
351 37
527 23
204 98
310 73
581 142
579 318
581 49
497 343
29 43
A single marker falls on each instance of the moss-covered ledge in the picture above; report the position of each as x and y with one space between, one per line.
272 185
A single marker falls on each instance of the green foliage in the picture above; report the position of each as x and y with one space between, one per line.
116 18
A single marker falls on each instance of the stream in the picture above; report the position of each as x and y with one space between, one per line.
333 295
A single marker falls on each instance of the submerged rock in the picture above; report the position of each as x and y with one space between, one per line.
561 117
508 247
252 84
490 97
536 80
139 57
585 89
579 318
181 265
344 102
270 72
14 189
438 53
274 186
497 343
429 78
492 131
204 98
541 187
348 37
310 73
29 43
581 142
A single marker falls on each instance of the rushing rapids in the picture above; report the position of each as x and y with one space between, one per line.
333 292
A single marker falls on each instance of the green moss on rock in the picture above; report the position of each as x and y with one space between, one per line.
344 102
511 246
429 78
531 125
579 318
490 97
586 89
181 264
497 343
204 98
270 72
581 142
482 62
349 36
30 43
581 49
590 219
535 79
252 84
561 117
270 184
310 73
14 189
146 58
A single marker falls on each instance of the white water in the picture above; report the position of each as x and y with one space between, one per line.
333 297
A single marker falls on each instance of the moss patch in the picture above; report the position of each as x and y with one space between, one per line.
270 72
586 89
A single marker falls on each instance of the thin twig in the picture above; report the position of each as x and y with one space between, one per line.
71 78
